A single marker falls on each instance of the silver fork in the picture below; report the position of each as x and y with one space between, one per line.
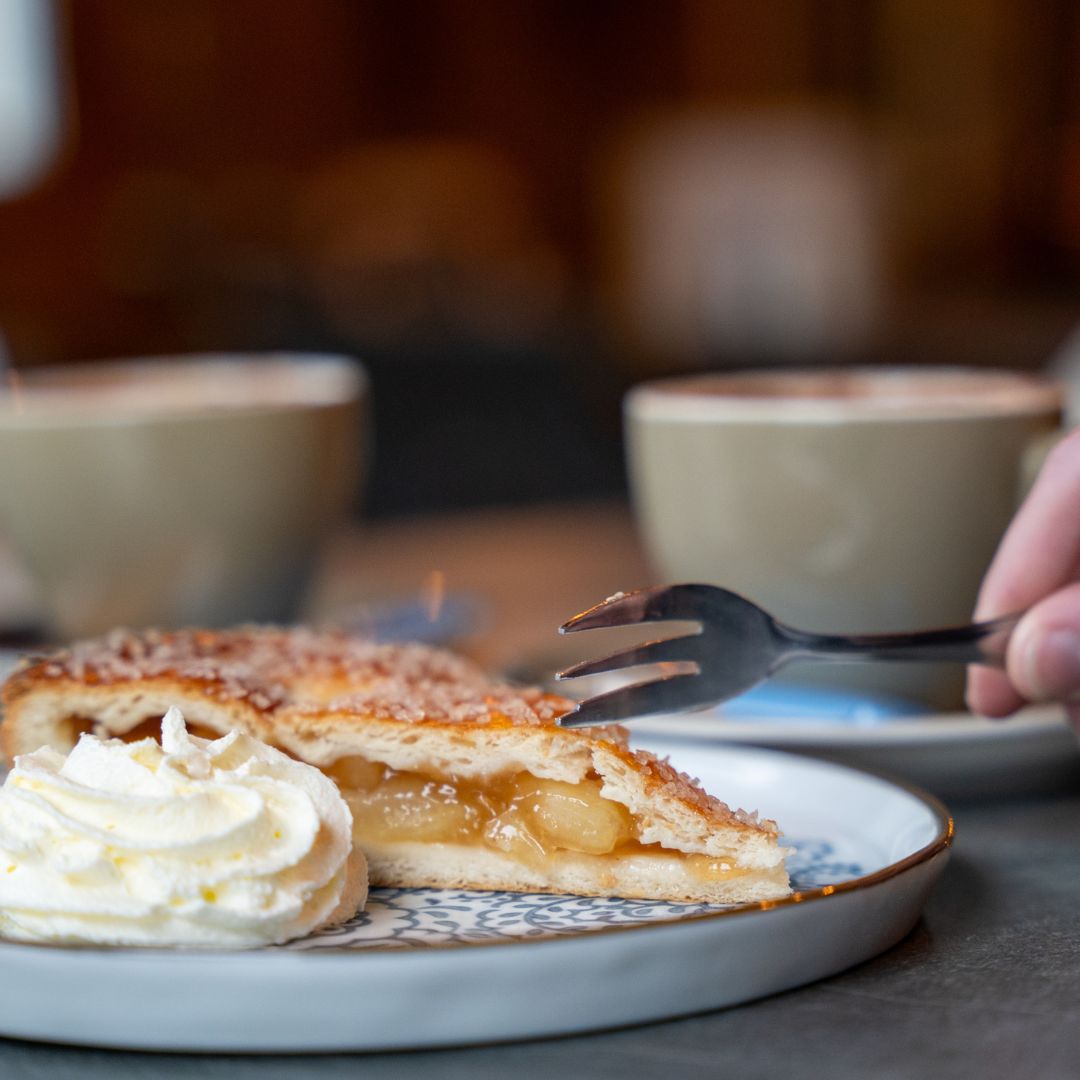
738 646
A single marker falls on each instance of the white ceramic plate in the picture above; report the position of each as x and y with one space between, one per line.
435 968
954 755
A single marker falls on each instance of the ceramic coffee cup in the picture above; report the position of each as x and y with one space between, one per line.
178 491
857 500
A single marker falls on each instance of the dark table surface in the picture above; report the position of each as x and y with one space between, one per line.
987 985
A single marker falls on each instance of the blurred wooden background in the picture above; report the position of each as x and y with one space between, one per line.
467 195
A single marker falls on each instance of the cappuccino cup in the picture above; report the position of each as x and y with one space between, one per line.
842 500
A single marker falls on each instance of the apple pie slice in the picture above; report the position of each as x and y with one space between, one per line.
453 779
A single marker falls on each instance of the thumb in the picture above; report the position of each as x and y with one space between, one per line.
1043 658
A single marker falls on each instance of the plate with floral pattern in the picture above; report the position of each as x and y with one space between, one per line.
427 967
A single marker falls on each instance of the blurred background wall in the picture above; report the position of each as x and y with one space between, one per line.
513 209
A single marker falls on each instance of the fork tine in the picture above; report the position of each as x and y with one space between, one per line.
655 604
648 652
673 693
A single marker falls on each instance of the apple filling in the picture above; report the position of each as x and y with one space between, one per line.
527 817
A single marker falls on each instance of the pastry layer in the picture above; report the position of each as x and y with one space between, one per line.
527 804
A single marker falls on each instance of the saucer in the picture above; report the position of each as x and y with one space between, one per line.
954 755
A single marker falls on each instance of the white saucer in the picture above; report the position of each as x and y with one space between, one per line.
426 968
954 755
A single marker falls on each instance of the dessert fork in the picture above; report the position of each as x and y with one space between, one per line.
739 645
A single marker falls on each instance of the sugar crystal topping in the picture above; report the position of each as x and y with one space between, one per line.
680 785
271 668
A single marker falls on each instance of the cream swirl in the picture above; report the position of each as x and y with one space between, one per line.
229 843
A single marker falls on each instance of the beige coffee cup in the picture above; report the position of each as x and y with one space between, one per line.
177 491
857 500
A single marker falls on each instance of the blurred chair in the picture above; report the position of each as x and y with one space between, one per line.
429 258
405 236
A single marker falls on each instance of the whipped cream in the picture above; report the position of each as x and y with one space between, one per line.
229 843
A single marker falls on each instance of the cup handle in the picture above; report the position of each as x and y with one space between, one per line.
1034 457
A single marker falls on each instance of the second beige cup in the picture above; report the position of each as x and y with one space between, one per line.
178 491
858 500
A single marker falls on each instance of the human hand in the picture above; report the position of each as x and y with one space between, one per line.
1037 567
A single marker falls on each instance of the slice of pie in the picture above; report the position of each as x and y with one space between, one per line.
453 779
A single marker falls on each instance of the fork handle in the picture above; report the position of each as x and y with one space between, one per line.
977 643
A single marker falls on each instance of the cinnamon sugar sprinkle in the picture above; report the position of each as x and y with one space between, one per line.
680 785
271 668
